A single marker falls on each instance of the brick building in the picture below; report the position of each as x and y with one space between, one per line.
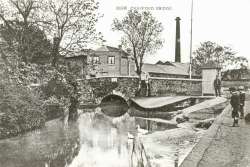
111 61
104 61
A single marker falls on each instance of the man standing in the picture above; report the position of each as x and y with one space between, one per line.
217 86
242 97
235 102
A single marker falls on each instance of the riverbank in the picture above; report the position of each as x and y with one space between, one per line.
170 147
223 145
11 127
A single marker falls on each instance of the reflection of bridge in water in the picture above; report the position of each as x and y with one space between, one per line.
116 105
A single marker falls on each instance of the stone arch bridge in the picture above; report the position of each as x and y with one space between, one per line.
94 90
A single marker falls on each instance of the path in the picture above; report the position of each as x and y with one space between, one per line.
228 146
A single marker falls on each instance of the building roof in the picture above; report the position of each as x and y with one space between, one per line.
174 68
81 53
108 48
105 48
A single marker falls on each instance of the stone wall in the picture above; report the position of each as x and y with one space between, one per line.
175 86
94 89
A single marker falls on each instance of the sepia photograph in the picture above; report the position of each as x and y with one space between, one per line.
124 83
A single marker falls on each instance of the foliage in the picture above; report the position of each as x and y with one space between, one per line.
71 23
62 89
141 34
55 107
236 74
25 38
222 56
28 24
20 109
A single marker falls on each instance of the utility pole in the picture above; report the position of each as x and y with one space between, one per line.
191 42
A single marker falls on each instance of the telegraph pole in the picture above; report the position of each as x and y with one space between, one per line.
191 42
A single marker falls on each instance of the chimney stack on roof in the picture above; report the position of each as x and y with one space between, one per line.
177 41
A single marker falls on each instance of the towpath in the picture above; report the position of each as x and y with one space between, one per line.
224 145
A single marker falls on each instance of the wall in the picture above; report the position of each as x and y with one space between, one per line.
94 89
208 77
175 86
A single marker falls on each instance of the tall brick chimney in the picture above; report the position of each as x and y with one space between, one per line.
177 41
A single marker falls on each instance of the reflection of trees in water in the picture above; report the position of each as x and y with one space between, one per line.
64 154
99 135
116 130
65 149
106 133
137 154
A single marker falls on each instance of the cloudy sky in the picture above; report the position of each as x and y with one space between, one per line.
225 22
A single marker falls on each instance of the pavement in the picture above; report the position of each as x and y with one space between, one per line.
223 145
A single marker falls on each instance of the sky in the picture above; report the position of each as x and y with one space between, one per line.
225 22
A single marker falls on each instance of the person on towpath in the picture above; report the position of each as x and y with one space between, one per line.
235 103
242 96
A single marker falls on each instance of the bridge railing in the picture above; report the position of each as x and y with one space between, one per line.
160 78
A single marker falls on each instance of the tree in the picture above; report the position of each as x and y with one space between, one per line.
29 23
141 34
35 49
210 52
71 23
21 32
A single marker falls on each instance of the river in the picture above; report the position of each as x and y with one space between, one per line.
94 140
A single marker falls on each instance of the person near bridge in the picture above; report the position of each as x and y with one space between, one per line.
217 86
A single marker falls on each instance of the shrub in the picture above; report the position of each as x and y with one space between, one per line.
20 109
55 107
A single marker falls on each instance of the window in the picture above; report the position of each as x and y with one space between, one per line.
96 60
111 60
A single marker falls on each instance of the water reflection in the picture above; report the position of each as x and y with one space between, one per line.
95 140
54 145
104 140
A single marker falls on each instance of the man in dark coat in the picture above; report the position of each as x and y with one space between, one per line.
242 97
217 86
235 103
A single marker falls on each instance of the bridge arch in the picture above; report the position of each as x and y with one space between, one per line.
113 98
114 105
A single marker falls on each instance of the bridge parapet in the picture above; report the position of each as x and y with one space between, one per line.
95 89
